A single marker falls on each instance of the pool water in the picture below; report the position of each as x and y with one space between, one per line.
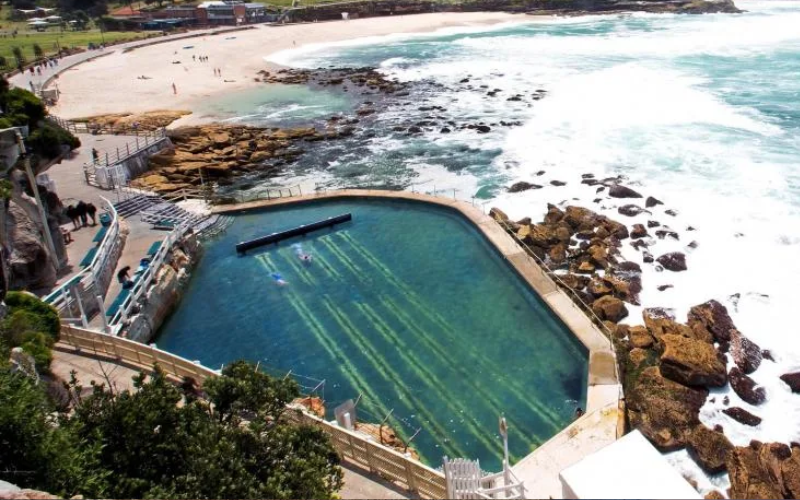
407 305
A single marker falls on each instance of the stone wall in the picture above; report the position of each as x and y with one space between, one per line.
166 291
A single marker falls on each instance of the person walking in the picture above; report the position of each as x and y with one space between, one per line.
95 155
91 210
174 89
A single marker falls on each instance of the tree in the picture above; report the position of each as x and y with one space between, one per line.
3 62
38 53
19 57
235 445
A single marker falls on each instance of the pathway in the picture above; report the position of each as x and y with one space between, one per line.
358 483
71 186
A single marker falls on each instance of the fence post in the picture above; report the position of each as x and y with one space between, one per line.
367 451
137 140
128 149
410 482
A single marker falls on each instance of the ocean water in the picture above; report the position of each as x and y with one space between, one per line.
702 112
407 306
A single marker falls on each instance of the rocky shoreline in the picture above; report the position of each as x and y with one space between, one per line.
667 366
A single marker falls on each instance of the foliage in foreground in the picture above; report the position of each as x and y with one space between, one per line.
31 324
237 443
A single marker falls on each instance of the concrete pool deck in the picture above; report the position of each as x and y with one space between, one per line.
603 420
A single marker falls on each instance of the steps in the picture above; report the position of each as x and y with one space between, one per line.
135 204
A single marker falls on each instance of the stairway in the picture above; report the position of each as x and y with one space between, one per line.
135 204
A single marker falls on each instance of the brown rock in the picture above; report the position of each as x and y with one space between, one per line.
637 356
745 387
498 215
640 337
221 139
792 380
610 308
558 254
749 474
599 256
742 416
580 218
714 495
639 231
586 267
541 236
746 353
691 362
630 210
674 261
598 288
708 448
554 215
790 470
714 317
563 234
650 202
259 156
663 410
618 191
521 186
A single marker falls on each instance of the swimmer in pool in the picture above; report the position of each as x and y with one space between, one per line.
279 279
298 250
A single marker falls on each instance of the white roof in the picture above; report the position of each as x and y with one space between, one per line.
53 18
34 19
205 5
629 468
38 23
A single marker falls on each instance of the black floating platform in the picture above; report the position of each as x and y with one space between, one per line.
291 233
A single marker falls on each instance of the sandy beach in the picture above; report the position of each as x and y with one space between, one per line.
113 84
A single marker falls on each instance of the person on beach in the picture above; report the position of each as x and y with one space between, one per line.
578 412
66 235
124 278
95 155
174 89
91 210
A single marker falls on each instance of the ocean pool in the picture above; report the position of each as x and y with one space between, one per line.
407 305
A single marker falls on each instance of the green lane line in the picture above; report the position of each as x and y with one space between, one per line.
346 262
335 353
332 271
429 378
379 364
402 317
414 298
302 273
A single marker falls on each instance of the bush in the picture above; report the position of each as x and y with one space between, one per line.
32 325
51 324
23 108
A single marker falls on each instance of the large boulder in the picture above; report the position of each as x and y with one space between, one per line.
618 191
714 317
580 218
521 186
630 210
691 362
30 264
742 416
763 471
554 214
709 448
792 380
745 387
661 322
640 337
663 410
610 308
673 261
746 353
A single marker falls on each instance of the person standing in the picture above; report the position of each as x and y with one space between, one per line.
91 210
174 89
80 210
73 216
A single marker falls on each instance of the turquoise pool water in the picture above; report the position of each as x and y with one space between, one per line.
407 305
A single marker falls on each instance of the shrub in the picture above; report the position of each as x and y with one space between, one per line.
51 324
23 108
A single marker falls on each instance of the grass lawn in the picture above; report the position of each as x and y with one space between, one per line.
50 40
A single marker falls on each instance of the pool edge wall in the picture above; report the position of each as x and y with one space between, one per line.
604 418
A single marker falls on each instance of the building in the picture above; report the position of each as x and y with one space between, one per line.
217 12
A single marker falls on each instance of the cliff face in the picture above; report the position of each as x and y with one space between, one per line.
566 7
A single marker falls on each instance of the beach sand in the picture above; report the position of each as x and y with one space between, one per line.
112 84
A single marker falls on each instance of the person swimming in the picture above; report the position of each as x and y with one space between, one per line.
302 255
279 279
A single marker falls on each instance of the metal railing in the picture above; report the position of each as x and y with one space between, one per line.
141 140
60 297
270 193
142 284
353 446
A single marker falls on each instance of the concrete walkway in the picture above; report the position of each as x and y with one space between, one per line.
71 186
358 483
